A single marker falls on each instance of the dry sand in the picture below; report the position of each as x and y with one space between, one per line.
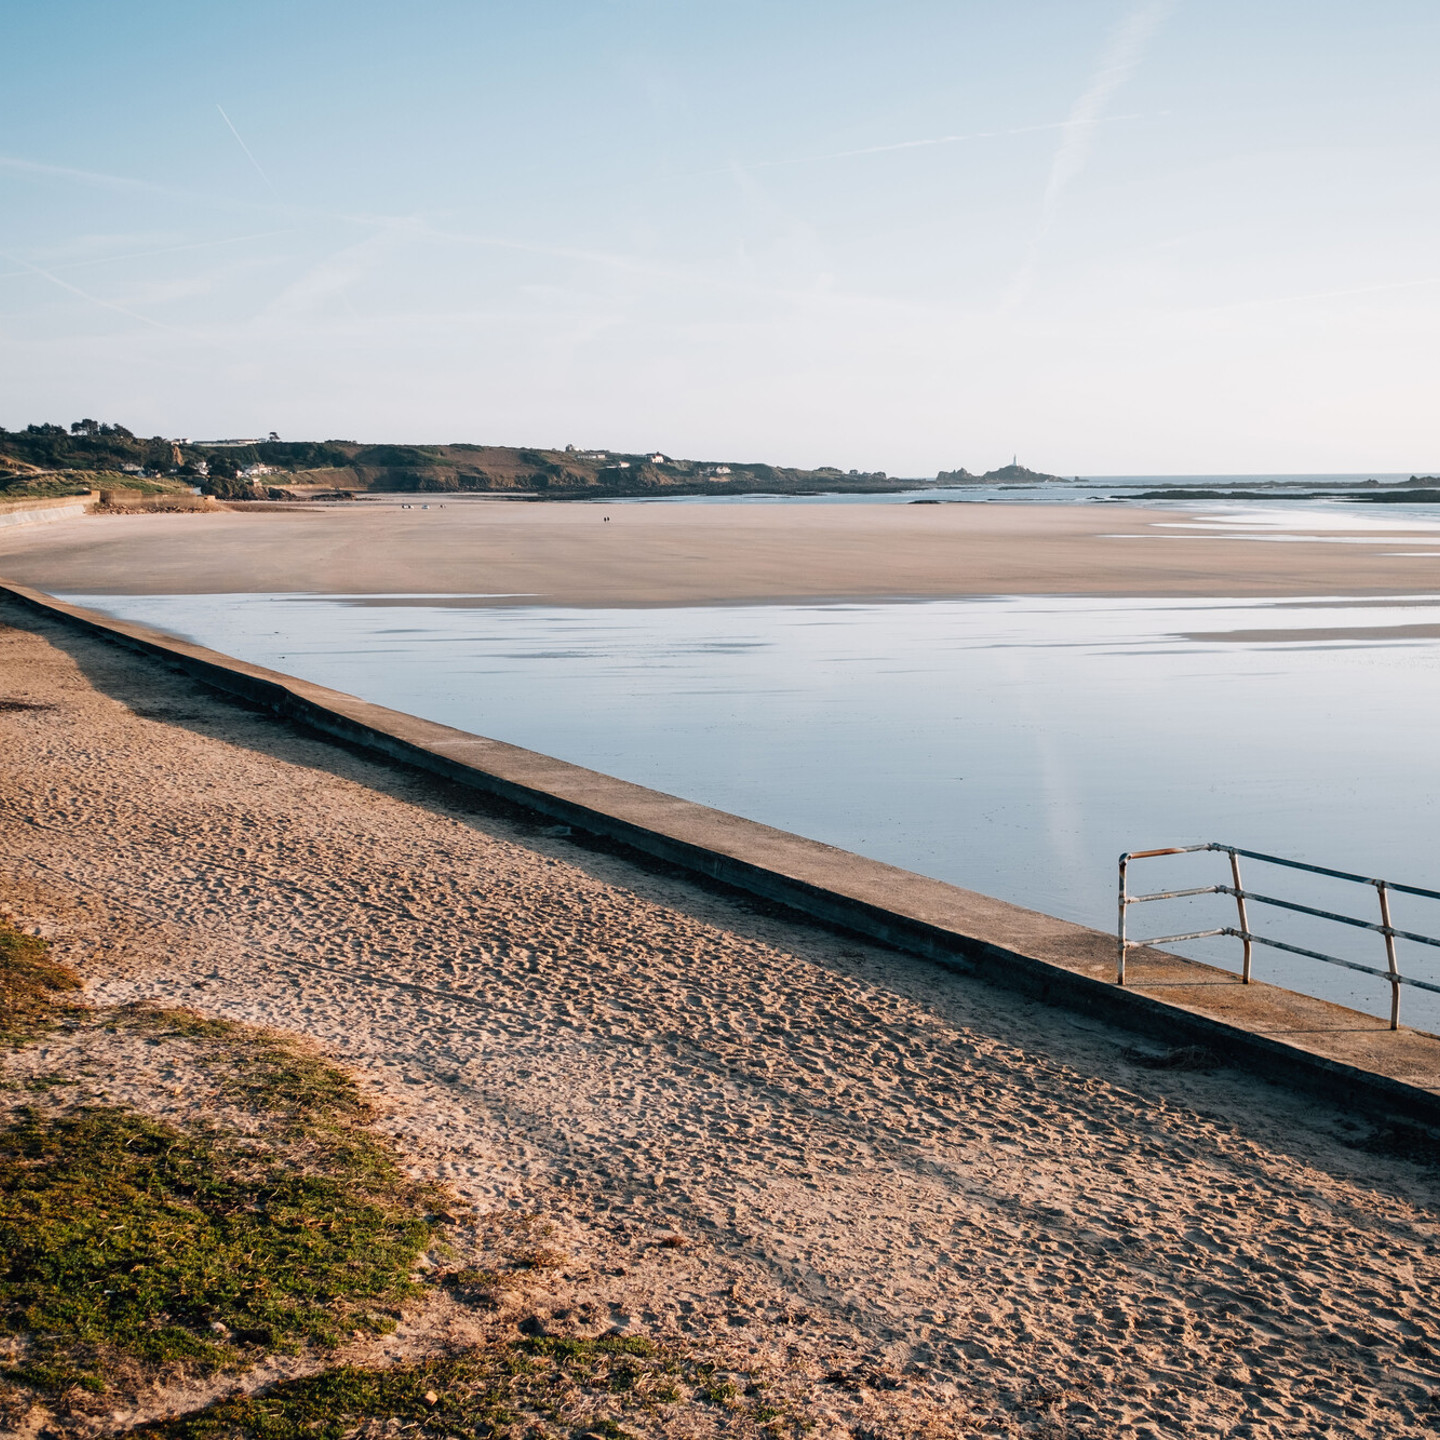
712 554
971 1212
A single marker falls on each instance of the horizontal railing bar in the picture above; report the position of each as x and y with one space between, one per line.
1323 870
1418 984
1173 939
1335 960
1316 955
1292 949
1329 915
1179 894
1275 944
1169 850
1286 905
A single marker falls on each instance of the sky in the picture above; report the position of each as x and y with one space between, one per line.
1107 236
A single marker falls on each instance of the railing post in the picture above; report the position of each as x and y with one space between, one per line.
1244 922
1383 890
1120 927
1386 927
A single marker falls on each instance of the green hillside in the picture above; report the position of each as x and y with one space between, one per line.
49 458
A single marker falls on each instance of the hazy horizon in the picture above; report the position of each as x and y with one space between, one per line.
1139 237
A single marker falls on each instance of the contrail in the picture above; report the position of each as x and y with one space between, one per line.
120 182
1117 63
86 295
937 140
246 149
85 177
146 254
887 149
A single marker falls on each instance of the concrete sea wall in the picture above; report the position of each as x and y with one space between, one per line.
40 512
1291 1038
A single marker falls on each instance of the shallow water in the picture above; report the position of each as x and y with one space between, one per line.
1290 491
1014 746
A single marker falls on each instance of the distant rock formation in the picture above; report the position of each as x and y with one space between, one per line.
1013 474
1017 473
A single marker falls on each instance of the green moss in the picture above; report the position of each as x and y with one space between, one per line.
328 1406
56 1378
127 1241
262 1071
503 1389
52 486
571 1348
35 991
42 487
123 1236
122 480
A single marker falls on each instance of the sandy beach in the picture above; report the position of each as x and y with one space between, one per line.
922 1206
715 554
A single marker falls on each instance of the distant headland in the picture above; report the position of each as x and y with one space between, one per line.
1007 474
52 459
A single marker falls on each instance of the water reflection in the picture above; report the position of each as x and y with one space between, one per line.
1012 745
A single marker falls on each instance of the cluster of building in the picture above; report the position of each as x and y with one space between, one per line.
657 457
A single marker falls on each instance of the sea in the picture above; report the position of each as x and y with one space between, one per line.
1358 493
1012 745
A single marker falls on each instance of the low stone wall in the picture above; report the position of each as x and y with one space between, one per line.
1348 1057
40 512
132 502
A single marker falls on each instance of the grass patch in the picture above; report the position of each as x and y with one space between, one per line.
278 1076
548 1386
34 989
54 485
130 1247
122 482
122 1234
27 486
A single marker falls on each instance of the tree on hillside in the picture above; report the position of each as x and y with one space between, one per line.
229 487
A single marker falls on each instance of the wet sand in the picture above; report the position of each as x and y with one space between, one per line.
712 554
922 1207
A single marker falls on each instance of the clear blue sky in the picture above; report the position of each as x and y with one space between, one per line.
1114 236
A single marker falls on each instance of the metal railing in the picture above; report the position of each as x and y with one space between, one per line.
1249 939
